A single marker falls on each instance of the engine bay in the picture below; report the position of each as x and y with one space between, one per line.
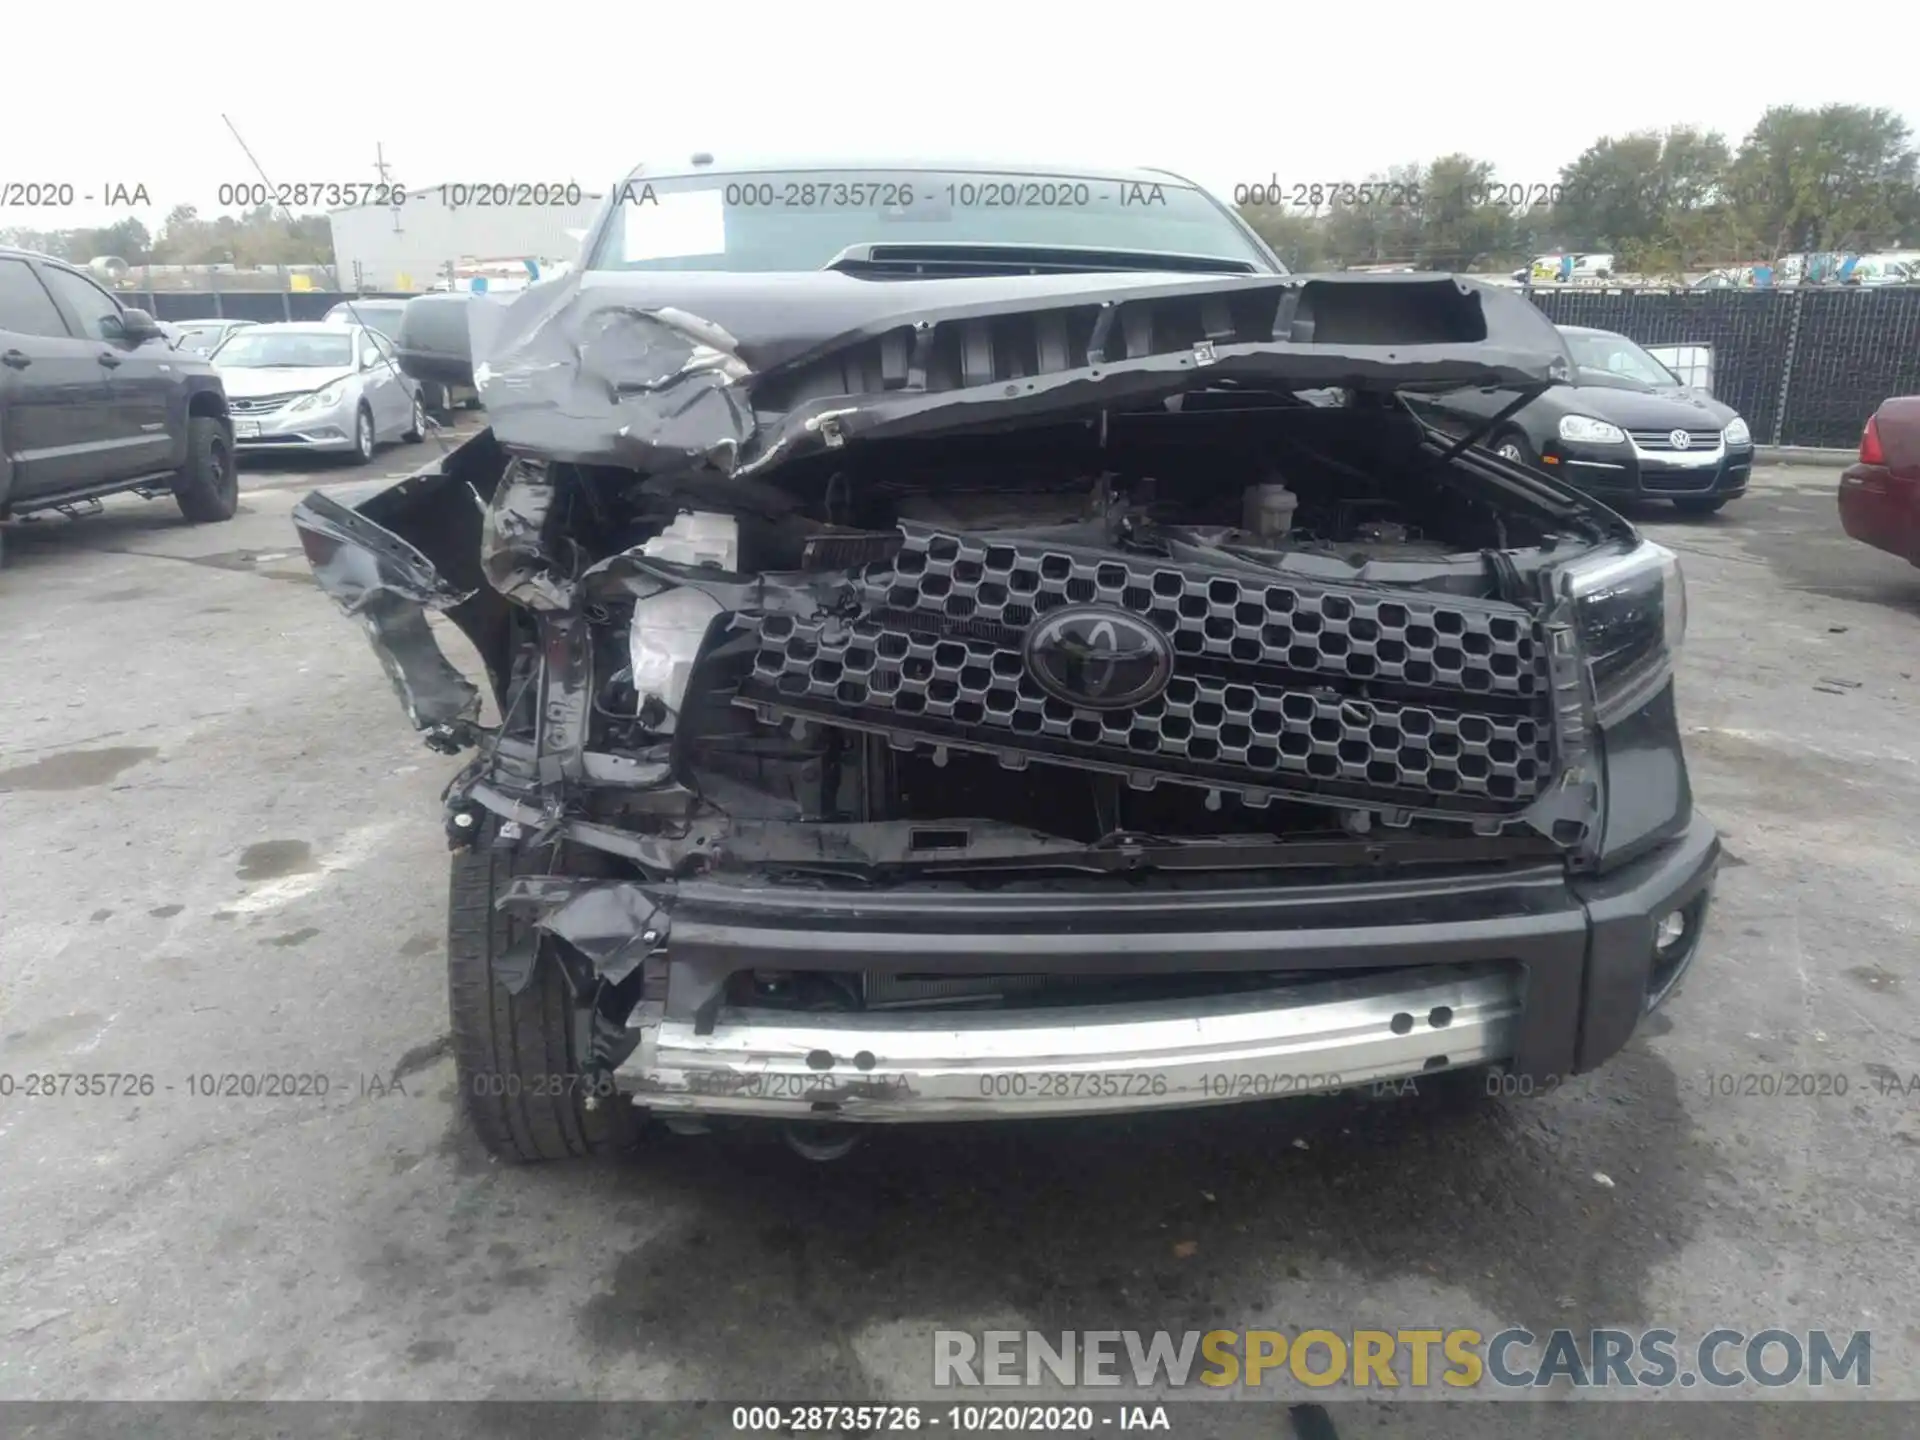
837 650
1312 489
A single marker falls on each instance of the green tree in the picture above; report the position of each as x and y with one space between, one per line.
1299 240
57 243
127 239
1652 198
1461 226
1837 178
1379 225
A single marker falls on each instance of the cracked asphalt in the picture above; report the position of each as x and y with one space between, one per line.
220 855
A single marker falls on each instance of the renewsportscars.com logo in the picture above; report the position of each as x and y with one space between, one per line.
1403 1359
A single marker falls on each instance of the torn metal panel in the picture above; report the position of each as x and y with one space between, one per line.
389 586
614 923
516 553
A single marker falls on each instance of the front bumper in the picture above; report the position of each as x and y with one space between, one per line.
327 431
1627 470
1324 1036
1881 509
1530 971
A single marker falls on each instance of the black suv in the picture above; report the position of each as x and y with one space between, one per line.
94 401
959 658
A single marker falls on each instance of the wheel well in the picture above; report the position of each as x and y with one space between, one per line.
207 404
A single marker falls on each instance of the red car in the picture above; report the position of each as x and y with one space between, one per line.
1880 492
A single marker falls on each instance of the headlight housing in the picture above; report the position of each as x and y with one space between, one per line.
324 398
670 626
1584 429
1736 435
1631 611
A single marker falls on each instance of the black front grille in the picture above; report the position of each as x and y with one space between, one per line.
1436 701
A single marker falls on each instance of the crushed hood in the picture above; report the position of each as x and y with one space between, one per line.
737 373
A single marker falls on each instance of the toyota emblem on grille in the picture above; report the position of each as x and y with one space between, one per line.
1681 439
1098 658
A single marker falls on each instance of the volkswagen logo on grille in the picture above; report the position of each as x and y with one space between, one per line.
1098 658
1681 440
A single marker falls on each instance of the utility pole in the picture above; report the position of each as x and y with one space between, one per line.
381 167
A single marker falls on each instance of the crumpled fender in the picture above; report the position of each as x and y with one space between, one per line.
406 551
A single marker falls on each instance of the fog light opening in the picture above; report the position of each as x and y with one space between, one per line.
1676 935
1670 931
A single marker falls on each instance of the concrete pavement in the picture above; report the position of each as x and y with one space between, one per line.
220 854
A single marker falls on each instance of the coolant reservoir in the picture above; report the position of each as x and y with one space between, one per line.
1267 510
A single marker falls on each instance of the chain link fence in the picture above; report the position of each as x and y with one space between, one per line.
1804 366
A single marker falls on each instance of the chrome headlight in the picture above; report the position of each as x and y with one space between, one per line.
1736 435
322 399
1584 429
1631 611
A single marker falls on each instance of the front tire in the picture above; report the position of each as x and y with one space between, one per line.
514 1056
207 487
1512 445
363 436
1700 504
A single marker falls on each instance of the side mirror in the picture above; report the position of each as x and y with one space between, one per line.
369 358
137 327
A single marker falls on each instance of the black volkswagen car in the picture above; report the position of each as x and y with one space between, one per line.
1627 428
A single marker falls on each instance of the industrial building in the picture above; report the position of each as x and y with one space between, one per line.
444 233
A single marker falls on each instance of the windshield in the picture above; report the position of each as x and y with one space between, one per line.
1617 355
384 318
306 349
199 338
800 220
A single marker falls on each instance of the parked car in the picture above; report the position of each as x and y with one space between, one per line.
203 337
1892 267
1880 492
947 672
333 389
93 401
1626 428
384 316
1546 269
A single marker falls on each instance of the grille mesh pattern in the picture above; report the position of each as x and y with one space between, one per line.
1268 678
261 404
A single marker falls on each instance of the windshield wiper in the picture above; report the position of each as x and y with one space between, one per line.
936 258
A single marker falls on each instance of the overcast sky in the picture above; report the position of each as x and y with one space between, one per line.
1221 92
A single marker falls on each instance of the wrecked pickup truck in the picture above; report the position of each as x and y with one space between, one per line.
1052 688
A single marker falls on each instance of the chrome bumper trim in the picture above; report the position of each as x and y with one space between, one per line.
1078 1060
1679 459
